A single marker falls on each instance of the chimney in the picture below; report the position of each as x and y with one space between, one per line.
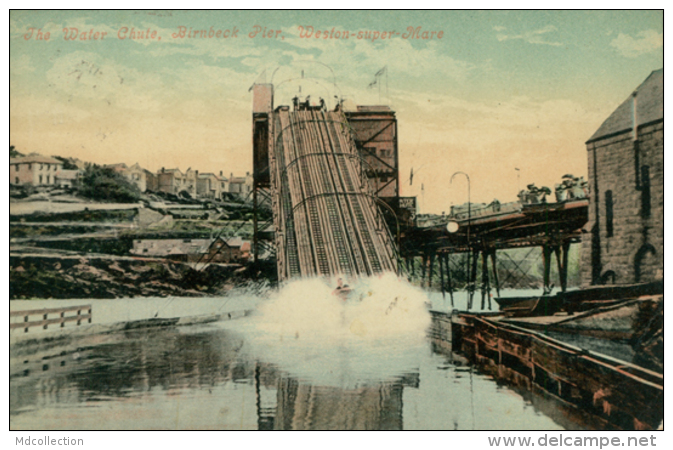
220 173
163 170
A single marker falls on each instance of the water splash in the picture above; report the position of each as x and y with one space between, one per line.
311 332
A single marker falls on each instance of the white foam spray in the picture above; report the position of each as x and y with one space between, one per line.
310 331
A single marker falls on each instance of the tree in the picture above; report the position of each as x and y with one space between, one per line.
67 165
101 183
14 153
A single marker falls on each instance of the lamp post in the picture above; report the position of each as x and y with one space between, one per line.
469 248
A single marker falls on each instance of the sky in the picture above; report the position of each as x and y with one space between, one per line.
497 92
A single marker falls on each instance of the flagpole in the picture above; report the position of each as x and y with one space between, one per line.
387 93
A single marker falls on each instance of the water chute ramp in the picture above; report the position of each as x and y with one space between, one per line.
326 217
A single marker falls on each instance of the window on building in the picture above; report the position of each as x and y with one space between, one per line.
29 166
608 213
40 179
645 199
17 180
18 166
48 179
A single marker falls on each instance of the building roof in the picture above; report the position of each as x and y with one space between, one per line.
175 172
374 108
234 242
161 247
116 167
67 174
650 107
211 175
34 158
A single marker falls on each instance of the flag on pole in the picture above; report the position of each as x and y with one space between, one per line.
376 77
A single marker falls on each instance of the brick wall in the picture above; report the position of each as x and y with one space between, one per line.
636 240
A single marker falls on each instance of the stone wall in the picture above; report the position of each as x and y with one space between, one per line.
633 250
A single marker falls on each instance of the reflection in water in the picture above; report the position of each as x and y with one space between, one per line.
206 378
309 361
302 406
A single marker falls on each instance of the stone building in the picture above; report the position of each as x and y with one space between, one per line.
240 185
34 170
143 178
219 250
626 178
170 181
68 178
209 185
190 182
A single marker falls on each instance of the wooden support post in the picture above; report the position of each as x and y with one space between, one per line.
447 264
441 275
559 265
472 281
546 255
484 277
495 271
488 280
424 263
432 264
255 224
468 268
564 271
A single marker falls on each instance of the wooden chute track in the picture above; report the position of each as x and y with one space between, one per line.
326 217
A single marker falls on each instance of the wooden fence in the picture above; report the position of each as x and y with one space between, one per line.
45 321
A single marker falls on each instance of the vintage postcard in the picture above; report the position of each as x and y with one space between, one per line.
336 220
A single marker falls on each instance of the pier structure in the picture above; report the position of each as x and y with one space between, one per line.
552 227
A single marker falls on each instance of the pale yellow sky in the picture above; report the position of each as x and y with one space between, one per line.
499 90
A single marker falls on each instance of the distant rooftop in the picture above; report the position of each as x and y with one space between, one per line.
35 158
374 108
67 174
650 107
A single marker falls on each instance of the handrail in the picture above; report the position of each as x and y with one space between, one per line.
45 322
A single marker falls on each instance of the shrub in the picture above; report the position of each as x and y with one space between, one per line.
101 183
